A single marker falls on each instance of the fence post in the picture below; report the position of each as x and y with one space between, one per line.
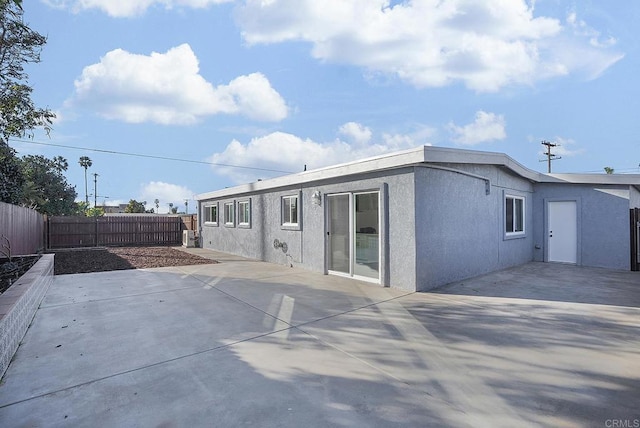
45 231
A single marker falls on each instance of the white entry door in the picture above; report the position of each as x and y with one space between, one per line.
562 234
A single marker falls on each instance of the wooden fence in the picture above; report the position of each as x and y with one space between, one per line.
22 229
115 231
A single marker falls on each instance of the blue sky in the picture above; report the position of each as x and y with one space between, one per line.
274 85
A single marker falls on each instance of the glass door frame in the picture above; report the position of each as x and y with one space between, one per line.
352 235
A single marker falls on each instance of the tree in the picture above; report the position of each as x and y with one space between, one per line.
82 208
45 187
11 178
157 202
608 170
95 212
134 207
85 162
19 45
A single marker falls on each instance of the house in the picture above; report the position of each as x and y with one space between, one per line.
113 209
425 217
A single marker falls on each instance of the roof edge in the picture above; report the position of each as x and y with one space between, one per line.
377 163
417 156
604 179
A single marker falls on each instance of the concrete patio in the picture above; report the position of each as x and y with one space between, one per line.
247 343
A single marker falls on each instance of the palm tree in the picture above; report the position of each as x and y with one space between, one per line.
157 202
85 162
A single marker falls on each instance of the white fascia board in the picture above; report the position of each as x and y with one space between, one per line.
378 163
612 179
459 156
417 156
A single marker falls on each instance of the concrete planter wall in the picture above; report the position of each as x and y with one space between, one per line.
18 306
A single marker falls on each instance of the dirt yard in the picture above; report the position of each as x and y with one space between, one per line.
107 259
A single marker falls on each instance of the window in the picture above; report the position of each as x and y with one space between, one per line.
211 214
244 213
229 215
514 215
290 210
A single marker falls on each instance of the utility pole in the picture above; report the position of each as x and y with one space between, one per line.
95 207
85 162
95 190
550 156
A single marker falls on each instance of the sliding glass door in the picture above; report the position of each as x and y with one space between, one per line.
353 227
339 241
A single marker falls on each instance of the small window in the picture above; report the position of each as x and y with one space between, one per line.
229 214
290 210
514 215
244 213
211 214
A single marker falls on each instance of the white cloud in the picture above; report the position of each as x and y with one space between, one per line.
580 28
289 153
485 45
583 50
167 88
486 127
128 8
166 193
355 131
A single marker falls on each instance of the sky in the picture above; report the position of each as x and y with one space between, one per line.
173 98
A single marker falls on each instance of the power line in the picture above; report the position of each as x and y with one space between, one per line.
142 155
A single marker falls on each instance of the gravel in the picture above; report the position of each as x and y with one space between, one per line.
108 259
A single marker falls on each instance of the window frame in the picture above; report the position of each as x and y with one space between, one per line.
207 214
241 211
284 213
229 217
510 201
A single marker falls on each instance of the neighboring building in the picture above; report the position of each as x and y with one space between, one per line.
113 209
425 217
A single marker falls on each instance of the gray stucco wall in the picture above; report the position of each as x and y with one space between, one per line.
603 222
460 228
256 241
306 247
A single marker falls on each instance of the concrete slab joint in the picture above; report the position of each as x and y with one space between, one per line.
18 306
